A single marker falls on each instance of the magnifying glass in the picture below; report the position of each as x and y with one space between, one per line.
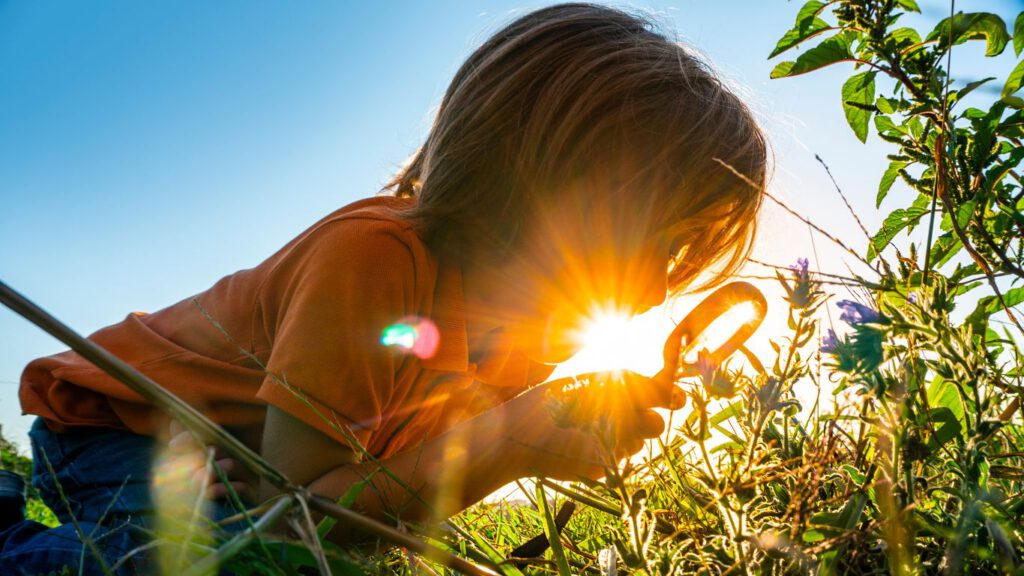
736 303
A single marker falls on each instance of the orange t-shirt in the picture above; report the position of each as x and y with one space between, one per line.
312 315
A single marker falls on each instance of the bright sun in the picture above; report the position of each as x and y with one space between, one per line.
613 341
616 341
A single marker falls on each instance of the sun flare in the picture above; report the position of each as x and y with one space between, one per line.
612 340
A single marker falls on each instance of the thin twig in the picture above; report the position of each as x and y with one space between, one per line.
843 196
762 277
327 506
236 544
308 534
838 277
938 142
87 541
798 216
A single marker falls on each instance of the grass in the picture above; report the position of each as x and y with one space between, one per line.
751 483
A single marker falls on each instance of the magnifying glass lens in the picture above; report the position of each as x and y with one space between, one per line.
721 330
722 322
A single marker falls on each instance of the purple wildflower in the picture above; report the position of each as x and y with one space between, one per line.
800 269
912 297
830 343
716 381
803 292
857 313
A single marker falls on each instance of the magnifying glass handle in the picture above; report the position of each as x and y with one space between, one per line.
703 315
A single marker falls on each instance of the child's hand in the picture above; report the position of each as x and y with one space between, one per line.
574 427
186 451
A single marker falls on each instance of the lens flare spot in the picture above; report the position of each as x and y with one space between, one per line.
401 335
417 336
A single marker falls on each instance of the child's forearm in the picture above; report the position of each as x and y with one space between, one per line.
427 484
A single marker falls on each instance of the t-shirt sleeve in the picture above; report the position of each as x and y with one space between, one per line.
326 304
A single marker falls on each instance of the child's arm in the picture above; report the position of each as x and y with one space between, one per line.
462 466
463 458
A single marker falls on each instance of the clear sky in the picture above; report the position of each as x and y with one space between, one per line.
149 148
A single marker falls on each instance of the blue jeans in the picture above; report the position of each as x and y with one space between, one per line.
100 487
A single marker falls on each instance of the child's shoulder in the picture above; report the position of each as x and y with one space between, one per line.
377 207
370 237
374 224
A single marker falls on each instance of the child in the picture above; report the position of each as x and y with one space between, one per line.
577 160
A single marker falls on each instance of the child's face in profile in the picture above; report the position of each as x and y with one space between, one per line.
578 256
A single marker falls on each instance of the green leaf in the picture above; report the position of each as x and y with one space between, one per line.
1018 34
943 394
947 427
731 411
973 26
915 126
972 86
896 221
551 531
888 178
830 51
811 536
944 248
886 127
1014 80
989 305
852 511
963 216
807 25
835 523
731 445
798 35
346 501
909 5
1014 102
858 98
904 38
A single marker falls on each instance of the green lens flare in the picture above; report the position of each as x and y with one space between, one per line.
400 335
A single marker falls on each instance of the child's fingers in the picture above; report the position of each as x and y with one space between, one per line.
203 473
181 442
668 394
677 398
181 439
627 449
633 429
626 386
175 428
218 490
649 424
205 478
227 465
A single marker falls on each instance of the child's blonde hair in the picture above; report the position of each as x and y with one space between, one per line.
570 87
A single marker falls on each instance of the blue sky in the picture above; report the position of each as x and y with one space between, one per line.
149 148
